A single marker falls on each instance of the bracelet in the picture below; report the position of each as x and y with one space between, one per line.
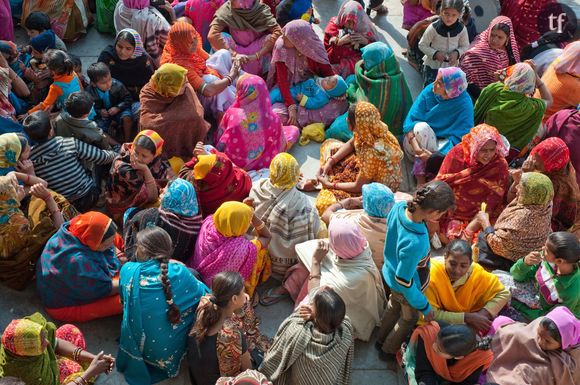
260 227
80 380
334 185
258 55
332 159
203 88
230 79
311 277
77 353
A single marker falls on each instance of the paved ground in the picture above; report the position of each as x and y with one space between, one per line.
103 334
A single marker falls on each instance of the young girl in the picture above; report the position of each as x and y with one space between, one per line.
444 41
406 267
65 80
451 354
555 271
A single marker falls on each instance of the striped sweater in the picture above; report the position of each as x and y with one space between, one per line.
58 161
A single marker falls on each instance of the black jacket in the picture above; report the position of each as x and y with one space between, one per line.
118 94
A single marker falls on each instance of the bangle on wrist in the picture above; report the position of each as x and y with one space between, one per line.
311 277
260 226
335 185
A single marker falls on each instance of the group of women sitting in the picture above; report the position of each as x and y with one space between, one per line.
205 203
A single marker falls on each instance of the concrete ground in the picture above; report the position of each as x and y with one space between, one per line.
103 334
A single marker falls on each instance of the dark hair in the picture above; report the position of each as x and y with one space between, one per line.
37 126
156 243
59 62
551 39
224 286
23 140
458 5
433 164
506 29
351 116
564 245
146 143
111 230
435 195
552 329
38 21
460 340
460 247
78 104
76 60
127 36
330 310
11 381
98 71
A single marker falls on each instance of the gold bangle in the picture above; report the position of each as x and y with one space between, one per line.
260 227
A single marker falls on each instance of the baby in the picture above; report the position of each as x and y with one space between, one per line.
313 94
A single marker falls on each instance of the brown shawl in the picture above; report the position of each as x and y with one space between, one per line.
566 210
519 360
258 18
179 120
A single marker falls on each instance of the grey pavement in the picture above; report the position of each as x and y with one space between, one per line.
103 334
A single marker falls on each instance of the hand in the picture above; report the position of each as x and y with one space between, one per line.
321 250
292 115
243 59
357 38
199 149
305 312
20 118
429 316
235 70
517 174
25 166
425 155
325 170
483 219
249 202
346 39
100 364
453 57
136 164
324 181
40 191
104 113
440 56
114 111
43 74
477 321
315 20
13 178
533 258
528 166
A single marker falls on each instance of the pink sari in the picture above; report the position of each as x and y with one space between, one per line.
201 14
250 133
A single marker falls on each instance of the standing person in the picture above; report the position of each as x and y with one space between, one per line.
406 267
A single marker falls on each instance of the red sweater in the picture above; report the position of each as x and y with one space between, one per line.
319 69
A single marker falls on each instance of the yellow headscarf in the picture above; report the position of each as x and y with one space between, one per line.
537 189
204 165
284 171
9 204
232 219
154 137
23 338
10 149
370 132
168 79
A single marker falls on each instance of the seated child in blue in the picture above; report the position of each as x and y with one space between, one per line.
313 94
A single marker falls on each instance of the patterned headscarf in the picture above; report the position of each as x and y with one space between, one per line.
232 219
521 78
10 149
553 152
23 338
375 53
4 82
154 137
180 199
9 204
182 35
139 49
284 171
536 189
370 131
377 199
352 10
345 238
306 41
90 228
168 79
477 137
454 81
568 326
569 61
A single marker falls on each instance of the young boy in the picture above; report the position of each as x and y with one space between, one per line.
112 101
74 122
39 22
78 68
58 161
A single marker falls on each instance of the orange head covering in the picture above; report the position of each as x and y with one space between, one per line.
178 49
90 228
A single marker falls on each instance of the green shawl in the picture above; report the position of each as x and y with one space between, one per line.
515 115
383 85
259 18
37 370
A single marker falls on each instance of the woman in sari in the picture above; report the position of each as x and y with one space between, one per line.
288 213
477 172
493 50
565 125
216 179
250 133
215 91
443 108
525 15
543 352
379 80
346 34
372 155
147 21
201 13
253 31
522 227
137 174
562 78
299 55
170 106
14 152
154 335
222 246
178 214
509 107
37 353
76 273
128 61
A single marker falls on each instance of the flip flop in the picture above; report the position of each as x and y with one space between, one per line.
309 185
269 298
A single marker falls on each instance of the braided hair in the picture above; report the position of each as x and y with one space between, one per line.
435 195
155 243
460 340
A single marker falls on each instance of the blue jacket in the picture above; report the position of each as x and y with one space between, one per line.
313 96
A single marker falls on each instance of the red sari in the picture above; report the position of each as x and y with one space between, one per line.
472 182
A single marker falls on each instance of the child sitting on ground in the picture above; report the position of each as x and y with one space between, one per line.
112 102
313 94
38 22
78 68
74 122
58 161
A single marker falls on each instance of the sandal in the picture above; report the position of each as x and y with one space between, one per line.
269 298
309 185
380 10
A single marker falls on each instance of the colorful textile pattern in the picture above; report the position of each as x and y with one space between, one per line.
521 78
10 149
169 79
9 204
454 81
249 377
480 62
90 228
536 189
250 133
568 326
284 171
23 338
377 199
345 238
553 152
139 49
180 199
477 138
362 24
255 18
201 13
569 61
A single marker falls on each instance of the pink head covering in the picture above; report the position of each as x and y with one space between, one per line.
346 239
242 4
454 81
136 4
568 325
306 41
569 60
